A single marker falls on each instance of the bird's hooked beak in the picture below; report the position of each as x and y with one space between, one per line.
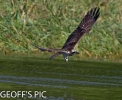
77 52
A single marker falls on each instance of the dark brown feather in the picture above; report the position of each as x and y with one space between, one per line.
50 49
84 27
46 49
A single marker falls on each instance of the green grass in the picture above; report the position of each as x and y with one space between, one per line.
49 23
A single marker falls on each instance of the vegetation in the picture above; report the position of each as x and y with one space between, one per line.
48 23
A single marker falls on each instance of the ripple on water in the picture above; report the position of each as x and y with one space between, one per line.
47 82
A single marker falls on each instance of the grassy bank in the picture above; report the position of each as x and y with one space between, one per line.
48 24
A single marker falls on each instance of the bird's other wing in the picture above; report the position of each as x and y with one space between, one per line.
47 49
84 27
55 55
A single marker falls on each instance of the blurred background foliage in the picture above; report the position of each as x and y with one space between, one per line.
48 23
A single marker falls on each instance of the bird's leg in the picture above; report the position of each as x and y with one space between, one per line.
66 58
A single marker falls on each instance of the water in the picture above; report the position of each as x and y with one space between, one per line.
34 81
63 81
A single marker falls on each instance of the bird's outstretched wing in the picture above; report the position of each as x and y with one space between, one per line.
50 49
84 27
46 49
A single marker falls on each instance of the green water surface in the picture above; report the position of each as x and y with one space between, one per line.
74 80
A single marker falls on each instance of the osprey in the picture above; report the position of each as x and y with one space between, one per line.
84 27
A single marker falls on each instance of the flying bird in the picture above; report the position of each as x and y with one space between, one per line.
84 27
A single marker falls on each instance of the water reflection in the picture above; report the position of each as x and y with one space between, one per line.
58 83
